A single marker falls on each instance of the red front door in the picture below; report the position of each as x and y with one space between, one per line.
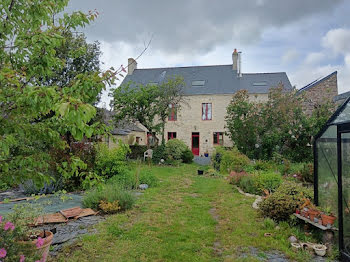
195 144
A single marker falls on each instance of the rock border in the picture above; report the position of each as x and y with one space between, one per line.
257 200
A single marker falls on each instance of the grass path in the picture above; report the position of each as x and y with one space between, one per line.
186 218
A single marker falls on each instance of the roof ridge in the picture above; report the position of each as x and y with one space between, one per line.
318 80
170 67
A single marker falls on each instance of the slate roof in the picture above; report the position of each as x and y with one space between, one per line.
342 96
122 128
316 82
219 79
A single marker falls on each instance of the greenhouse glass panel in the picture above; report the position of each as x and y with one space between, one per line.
326 147
343 116
345 144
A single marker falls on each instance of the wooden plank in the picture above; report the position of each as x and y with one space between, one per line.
86 212
71 212
17 199
322 227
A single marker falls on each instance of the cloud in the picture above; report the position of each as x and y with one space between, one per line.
338 40
193 26
290 56
314 58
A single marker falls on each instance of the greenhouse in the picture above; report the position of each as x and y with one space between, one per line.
332 173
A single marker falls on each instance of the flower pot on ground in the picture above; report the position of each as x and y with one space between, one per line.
320 250
43 243
206 154
328 219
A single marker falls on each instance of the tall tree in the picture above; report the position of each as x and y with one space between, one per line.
37 110
148 104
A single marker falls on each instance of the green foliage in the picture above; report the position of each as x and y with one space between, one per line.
268 181
233 160
249 184
158 154
280 126
174 149
146 103
307 173
43 110
187 156
111 162
148 177
217 156
109 193
256 183
269 224
136 151
131 179
284 201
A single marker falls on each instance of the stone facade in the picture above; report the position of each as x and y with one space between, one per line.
319 92
189 120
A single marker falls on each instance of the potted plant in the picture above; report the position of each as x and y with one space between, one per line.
320 250
206 153
327 217
22 243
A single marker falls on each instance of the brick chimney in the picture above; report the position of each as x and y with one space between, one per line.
132 65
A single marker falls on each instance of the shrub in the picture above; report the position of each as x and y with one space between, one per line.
264 165
110 162
217 156
174 149
109 193
129 180
249 184
187 156
136 151
125 179
307 173
233 160
283 202
269 181
158 154
235 177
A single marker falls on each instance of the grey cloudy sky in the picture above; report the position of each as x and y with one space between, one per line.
308 39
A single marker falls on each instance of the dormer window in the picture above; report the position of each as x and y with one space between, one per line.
198 83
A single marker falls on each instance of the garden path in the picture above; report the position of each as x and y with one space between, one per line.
186 218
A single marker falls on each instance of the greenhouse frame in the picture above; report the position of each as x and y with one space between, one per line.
332 173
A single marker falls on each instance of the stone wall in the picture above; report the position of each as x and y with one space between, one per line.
322 91
189 119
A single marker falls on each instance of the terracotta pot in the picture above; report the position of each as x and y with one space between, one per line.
327 220
313 213
43 251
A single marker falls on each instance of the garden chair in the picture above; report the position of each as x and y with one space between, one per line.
148 154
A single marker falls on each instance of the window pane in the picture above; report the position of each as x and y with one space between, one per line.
204 111
209 112
215 138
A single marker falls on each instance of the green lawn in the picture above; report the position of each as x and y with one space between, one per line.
186 218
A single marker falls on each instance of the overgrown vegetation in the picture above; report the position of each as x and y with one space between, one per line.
278 126
111 193
284 201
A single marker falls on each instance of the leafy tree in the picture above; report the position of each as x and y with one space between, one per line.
37 109
278 126
147 104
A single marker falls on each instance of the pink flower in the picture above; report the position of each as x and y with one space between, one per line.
8 226
22 258
3 253
39 242
0 219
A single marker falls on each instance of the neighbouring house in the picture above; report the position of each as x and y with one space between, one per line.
319 91
129 133
201 121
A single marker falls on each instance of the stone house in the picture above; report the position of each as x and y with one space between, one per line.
129 133
208 90
319 91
